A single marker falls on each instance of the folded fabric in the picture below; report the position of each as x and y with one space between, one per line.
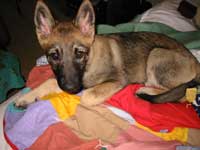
177 134
187 148
115 133
96 123
34 127
10 76
22 128
191 39
155 116
135 138
63 103
38 75
42 60
59 137
181 134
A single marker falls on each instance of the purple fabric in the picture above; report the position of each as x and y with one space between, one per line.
187 148
11 118
23 128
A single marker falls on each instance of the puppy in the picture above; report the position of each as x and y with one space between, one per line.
102 65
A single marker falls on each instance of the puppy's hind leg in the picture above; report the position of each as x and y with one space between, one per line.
171 70
150 90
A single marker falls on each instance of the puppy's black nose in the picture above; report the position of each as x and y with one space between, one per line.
70 87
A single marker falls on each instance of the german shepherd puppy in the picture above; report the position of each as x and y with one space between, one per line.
104 64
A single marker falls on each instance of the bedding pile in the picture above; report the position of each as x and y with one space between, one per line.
122 122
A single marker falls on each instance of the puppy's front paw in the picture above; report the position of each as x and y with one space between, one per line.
23 102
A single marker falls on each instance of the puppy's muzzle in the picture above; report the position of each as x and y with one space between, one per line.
71 87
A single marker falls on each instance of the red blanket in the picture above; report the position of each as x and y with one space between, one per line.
155 116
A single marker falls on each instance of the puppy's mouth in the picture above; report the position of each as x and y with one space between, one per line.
71 82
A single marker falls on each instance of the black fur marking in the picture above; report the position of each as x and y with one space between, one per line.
146 97
174 95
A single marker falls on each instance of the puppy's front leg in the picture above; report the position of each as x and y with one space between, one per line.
99 93
45 88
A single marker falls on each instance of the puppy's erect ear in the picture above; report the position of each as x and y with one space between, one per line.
43 19
85 19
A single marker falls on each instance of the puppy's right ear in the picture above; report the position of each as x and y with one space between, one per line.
85 19
43 20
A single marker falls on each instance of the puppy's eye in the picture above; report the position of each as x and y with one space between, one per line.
53 53
54 56
79 53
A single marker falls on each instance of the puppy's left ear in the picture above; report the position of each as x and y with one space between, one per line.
85 19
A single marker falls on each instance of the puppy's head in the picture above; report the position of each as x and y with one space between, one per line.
67 44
